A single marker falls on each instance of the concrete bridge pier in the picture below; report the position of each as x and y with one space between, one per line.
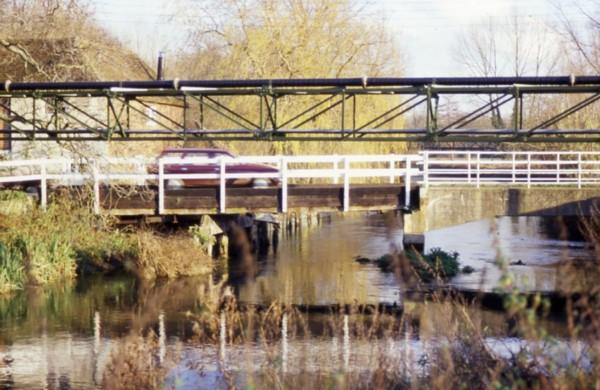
446 206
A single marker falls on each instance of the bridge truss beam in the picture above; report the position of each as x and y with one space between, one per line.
362 109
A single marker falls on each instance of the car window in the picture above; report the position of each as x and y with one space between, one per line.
224 155
197 154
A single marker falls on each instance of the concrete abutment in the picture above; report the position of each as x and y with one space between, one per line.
445 206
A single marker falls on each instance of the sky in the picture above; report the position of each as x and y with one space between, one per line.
427 30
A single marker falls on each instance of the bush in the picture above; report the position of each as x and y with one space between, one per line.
437 264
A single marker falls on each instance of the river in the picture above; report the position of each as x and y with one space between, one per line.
63 338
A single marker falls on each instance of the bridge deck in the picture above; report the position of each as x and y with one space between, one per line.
190 201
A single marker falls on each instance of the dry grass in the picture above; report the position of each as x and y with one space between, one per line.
172 256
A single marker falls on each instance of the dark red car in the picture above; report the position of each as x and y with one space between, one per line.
231 167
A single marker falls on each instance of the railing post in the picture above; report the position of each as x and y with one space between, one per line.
43 185
579 170
222 182
528 170
336 170
478 170
96 179
469 167
161 187
558 168
407 183
426 168
514 167
346 197
392 163
284 185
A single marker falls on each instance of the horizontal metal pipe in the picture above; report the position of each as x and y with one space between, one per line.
310 83
397 138
210 134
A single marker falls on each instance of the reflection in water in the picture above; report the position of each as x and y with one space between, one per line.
316 265
528 240
64 337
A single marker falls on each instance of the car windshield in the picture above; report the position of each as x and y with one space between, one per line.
210 154
171 154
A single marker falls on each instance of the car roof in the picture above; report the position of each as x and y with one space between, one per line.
195 150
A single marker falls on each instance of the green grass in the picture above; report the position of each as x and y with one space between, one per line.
43 247
12 271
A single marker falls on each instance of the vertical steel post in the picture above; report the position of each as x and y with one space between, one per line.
343 112
429 109
354 113
184 114
161 187
222 182
392 166
346 197
128 112
261 121
201 112
520 111
274 114
34 116
516 110
407 183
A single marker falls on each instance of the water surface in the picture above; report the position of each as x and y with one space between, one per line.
63 338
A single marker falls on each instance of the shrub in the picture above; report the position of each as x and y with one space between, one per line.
437 264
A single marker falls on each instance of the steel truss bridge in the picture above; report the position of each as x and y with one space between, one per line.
288 109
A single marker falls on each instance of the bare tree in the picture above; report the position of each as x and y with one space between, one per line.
515 46
289 39
582 40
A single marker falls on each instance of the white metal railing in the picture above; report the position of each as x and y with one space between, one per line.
334 167
143 171
476 168
510 168
39 171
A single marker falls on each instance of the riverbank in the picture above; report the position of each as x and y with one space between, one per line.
44 247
